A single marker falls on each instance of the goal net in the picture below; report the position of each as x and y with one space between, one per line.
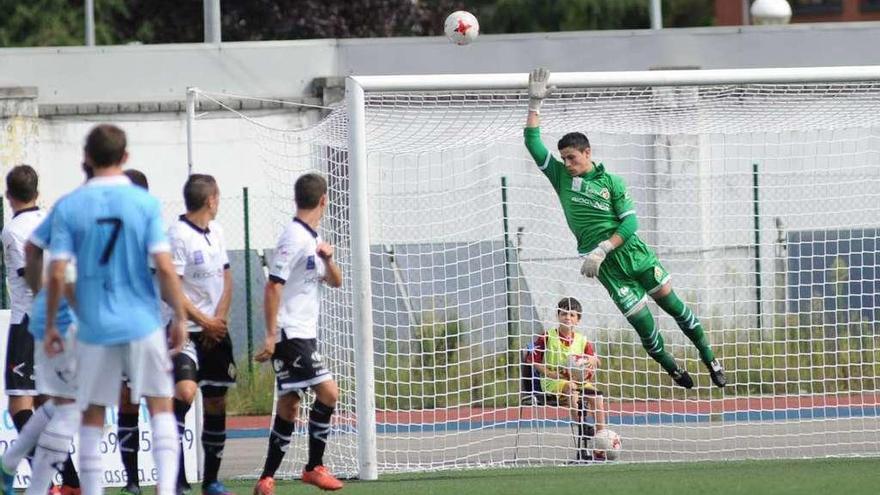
761 198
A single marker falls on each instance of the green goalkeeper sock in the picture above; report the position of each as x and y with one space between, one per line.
652 341
688 323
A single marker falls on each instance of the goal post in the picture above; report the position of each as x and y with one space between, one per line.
847 93
362 308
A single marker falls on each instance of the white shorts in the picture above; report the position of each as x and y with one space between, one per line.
145 362
56 375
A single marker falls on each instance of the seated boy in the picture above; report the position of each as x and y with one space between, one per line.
551 356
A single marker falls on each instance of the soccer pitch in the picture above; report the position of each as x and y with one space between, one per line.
851 476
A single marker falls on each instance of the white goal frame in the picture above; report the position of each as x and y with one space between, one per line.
357 86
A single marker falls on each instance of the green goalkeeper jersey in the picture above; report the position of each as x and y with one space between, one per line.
594 203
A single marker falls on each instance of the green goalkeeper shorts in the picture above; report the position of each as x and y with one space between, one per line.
630 272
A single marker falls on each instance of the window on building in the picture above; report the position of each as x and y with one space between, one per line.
799 7
870 5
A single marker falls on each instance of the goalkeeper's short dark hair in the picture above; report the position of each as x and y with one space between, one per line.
570 304
308 189
576 140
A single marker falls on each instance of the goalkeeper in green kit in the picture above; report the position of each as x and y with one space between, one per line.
601 215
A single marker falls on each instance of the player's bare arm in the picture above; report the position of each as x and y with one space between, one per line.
333 278
53 343
33 266
172 293
213 326
271 301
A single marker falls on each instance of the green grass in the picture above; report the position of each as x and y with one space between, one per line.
252 395
796 477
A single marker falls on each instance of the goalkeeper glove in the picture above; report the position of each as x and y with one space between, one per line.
594 259
538 88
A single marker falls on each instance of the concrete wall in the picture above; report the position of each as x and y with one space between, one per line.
286 68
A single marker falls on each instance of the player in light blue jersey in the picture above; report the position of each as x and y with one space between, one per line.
51 428
113 228
55 379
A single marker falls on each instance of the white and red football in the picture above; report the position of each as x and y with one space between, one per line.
461 27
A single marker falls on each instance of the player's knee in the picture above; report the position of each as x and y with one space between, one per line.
664 291
288 406
214 405
185 391
328 393
20 403
93 416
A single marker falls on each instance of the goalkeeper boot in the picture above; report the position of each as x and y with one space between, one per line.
682 378
716 372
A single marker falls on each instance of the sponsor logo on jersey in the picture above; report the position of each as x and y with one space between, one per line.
577 183
207 274
198 257
590 202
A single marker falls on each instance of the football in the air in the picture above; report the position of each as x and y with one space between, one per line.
607 443
580 368
461 27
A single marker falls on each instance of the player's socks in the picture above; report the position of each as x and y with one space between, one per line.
688 323
91 469
180 410
33 424
213 441
643 321
53 448
129 439
279 439
319 428
165 450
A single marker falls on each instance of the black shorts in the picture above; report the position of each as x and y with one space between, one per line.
217 369
298 365
20 360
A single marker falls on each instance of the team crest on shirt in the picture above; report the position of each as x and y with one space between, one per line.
623 291
658 273
198 258
604 193
310 262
